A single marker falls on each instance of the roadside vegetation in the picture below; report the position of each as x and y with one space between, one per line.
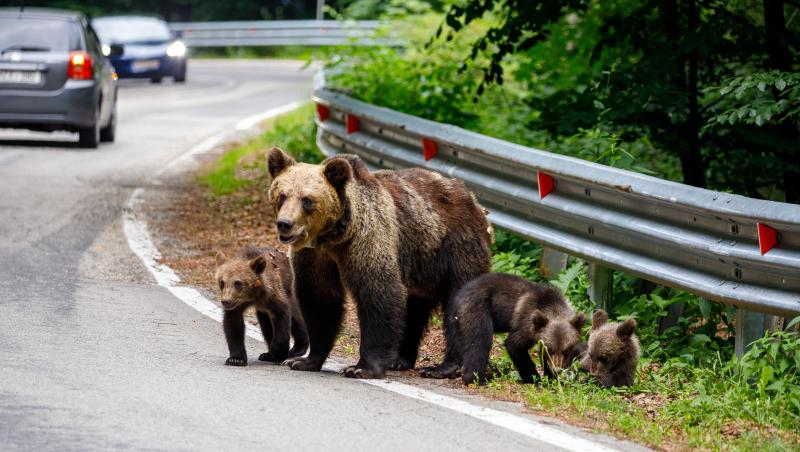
690 389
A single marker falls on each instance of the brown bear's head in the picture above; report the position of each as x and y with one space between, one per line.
559 335
307 198
611 345
239 280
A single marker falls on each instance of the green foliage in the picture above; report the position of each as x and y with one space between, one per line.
759 98
294 132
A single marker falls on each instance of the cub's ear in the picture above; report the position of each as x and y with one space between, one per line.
258 265
599 319
626 328
220 258
577 321
278 161
338 171
539 319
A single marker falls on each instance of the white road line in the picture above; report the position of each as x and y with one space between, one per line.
141 244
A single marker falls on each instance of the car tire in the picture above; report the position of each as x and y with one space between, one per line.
156 79
109 132
180 74
89 137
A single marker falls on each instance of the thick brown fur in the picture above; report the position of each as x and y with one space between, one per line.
261 278
528 312
398 242
613 351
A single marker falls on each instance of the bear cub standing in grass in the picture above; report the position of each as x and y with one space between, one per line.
499 303
612 352
260 277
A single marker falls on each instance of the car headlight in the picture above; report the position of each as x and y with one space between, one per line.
176 49
106 49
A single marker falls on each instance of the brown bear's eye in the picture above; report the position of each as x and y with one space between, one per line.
221 284
308 204
281 199
237 285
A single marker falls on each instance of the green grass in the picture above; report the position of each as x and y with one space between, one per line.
272 52
706 398
294 132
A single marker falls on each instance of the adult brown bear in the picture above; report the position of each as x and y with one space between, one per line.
398 242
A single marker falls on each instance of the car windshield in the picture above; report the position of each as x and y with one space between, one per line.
25 34
130 30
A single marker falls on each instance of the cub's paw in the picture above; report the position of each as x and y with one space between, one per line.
236 361
303 364
269 357
440 371
401 364
363 372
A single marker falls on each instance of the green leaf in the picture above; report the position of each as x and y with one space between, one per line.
780 84
794 322
705 308
598 105
762 86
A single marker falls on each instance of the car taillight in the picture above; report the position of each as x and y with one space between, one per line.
79 66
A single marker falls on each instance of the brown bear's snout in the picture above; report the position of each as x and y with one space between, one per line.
226 303
284 225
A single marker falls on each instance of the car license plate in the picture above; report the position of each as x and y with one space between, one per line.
144 65
21 77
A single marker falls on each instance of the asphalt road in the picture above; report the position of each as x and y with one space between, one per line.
95 356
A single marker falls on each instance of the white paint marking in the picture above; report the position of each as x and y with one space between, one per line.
141 244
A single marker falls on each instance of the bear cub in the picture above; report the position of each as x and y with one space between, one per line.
528 312
612 352
262 278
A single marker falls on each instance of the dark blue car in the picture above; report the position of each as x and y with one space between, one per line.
142 47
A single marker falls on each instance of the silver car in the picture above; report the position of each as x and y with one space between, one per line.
54 76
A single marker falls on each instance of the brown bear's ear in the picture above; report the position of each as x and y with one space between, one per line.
278 161
599 319
258 265
626 328
220 258
578 320
338 171
539 319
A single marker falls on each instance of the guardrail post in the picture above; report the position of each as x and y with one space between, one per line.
749 327
552 263
601 281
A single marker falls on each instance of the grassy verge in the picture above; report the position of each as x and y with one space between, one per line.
273 52
690 391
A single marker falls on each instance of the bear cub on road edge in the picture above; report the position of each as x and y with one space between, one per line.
260 277
498 303
613 351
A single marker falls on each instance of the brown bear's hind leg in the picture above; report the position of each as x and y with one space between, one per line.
418 313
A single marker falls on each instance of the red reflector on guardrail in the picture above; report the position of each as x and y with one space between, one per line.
546 184
352 123
323 112
767 238
428 149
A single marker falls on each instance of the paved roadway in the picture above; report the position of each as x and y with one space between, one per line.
95 356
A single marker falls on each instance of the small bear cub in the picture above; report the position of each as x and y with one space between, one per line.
262 278
499 303
613 351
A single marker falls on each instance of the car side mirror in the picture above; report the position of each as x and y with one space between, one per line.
116 50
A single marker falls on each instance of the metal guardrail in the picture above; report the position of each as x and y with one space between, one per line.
705 242
276 33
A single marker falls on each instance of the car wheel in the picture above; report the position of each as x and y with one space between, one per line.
180 74
109 132
156 79
89 137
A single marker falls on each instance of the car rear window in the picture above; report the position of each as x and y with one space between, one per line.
130 30
37 35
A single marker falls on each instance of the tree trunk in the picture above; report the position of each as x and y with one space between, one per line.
692 162
780 58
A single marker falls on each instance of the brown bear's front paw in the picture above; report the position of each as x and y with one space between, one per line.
443 370
363 372
269 357
236 361
303 364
